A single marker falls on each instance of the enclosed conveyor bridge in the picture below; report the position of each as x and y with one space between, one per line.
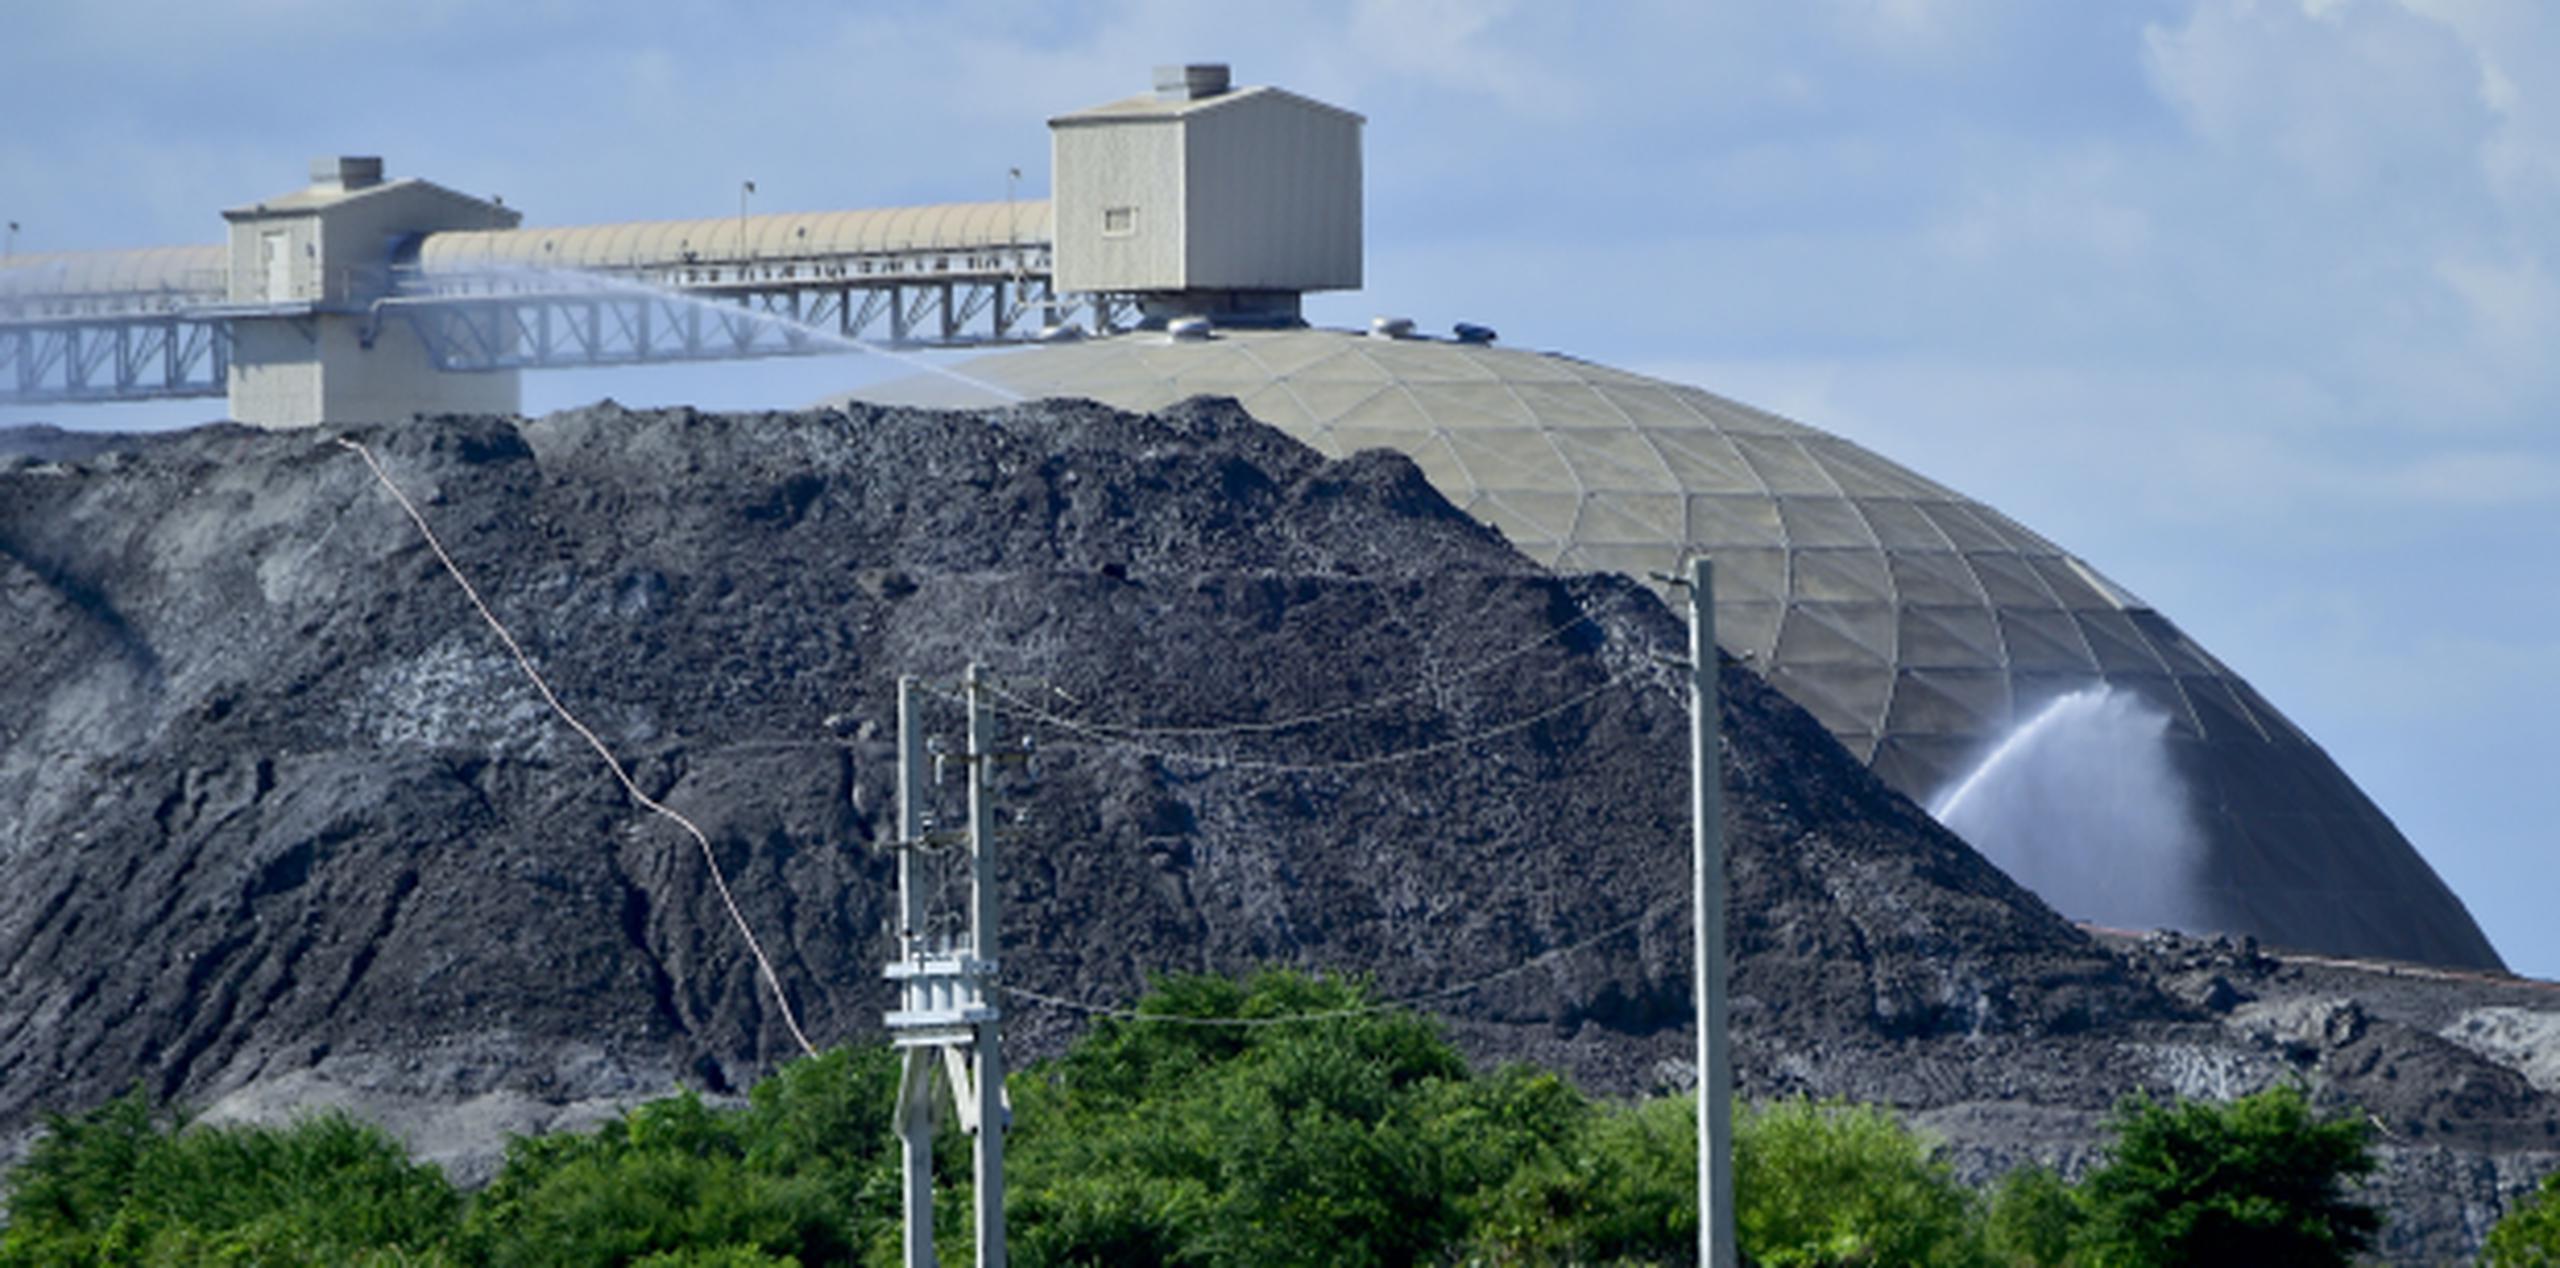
160 323
357 297
692 290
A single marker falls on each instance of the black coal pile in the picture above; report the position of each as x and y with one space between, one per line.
285 825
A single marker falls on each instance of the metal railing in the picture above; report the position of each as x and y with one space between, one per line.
536 329
175 340
24 296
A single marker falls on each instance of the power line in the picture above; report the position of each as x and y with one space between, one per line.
1015 706
1436 683
1133 738
719 880
1363 1010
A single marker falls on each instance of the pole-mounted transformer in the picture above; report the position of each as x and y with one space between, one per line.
946 1015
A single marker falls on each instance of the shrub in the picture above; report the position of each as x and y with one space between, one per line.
1833 1183
2528 1236
2260 1180
2033 1219
1621 1187
1354 1137
796 1174
121 1184
1815 1183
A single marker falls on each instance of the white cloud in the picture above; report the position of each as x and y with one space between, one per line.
2517 44
2077 204
1918 31
2348 95
1452 44
2513 304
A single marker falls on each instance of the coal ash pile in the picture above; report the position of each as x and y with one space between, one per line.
287 826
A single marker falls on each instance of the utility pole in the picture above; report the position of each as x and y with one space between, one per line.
1706 813
985 911
946 1016
914 1115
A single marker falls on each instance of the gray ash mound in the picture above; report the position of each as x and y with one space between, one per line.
45 442
285 826
276 796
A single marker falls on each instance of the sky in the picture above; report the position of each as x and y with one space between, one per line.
2249 303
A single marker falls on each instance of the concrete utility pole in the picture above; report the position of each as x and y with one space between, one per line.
914 1115
945 1016
1706 813
985 912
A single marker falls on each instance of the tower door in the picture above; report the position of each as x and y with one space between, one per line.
275 245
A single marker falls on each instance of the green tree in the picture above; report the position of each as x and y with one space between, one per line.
121 1184
2033 1219
2528 1236
1833 1183
1622 1187
806 1170
1319 1132
2257 1181
1815 1183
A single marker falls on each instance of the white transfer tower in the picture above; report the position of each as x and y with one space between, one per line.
1206 199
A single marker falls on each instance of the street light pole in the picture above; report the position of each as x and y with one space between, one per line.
1706 812
1012 225
744 188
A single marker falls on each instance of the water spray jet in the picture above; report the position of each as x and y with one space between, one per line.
528 280
2082 804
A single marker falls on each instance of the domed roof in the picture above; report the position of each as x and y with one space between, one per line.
1921 627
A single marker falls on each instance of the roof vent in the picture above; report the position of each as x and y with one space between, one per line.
1195 82
346 172
1391 328
1187 329
1469 332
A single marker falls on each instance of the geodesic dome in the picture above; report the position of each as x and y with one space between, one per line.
1921 627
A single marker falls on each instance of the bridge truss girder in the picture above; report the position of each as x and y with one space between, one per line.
126 358
638 326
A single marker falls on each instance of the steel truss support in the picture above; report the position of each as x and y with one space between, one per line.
113 359
618 325
505 323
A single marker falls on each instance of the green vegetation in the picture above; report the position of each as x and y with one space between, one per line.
2032 1220
1847 1184
1355 1136
1361 1139
117 1186
2529 1236
801 1174
2261 1180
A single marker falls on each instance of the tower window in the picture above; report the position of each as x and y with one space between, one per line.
1119 222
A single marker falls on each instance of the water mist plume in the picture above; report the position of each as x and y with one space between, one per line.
2082 805
534 279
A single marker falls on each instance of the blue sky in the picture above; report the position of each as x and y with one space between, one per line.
2252 305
